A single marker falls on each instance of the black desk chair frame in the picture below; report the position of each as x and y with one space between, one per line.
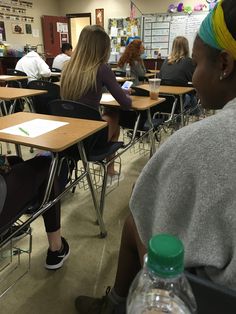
97 147
212 298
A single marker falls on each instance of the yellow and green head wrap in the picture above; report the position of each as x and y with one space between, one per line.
214 32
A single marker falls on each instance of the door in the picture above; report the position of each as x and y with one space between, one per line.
76 23
55 32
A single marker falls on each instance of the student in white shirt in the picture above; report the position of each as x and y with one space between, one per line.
66 51
34 66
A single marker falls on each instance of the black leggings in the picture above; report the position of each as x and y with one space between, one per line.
26 182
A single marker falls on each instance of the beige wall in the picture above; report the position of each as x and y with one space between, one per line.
117 8
40 7
112 8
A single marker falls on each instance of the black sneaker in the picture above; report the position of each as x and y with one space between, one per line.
56 259
19 235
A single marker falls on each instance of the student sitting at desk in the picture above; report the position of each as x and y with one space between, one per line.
191 180
87 73
178 69
34 66
21 182
66 52
132 56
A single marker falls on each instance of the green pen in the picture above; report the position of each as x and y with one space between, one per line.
24 131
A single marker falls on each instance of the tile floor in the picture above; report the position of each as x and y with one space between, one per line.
92 264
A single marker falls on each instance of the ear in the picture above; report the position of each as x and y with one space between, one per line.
227 63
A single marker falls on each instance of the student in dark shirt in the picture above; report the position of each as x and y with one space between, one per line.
178 68
87 73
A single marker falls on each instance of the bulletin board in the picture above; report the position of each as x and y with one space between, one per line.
159 30
120 29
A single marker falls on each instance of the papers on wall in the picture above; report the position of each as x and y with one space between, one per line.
35 32
34 128
114 31
159 30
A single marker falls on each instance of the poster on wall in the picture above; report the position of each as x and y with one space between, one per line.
28 29
2 32
17 28
99 13
63 38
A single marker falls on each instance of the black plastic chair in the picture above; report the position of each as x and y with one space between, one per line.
55 78
97 146
21 83
40 102
212 298
55 70
120 73
19 103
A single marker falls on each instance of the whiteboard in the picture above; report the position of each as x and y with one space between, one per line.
159 30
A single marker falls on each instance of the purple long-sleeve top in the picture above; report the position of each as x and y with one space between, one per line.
106 78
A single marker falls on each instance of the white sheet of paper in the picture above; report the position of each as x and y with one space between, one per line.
107 97
34 128
35 32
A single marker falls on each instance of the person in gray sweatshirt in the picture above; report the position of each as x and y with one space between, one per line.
188 187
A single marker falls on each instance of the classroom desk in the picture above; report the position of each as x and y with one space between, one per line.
177 91
121 79
55 74
139 103
56 141
8 78
12 93
153 71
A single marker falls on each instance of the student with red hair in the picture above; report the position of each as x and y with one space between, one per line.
132 56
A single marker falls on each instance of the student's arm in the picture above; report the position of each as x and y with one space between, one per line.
109 81
44 69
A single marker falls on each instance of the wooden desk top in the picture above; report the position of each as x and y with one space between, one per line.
121 79
153 71
7 78
55 73
10 93
166 89
149 75
138 102
56 140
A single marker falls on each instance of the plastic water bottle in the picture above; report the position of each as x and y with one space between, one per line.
128 70
161 287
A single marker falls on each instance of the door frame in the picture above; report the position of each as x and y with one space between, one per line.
73 15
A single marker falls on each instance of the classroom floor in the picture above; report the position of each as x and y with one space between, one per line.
92 263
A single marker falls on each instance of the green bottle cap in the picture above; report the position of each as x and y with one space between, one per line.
165 255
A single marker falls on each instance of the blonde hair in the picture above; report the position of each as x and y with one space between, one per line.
80 74
180 49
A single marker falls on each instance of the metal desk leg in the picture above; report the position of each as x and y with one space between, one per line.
52 173
83 157
18 150
12 107
181 109
151 133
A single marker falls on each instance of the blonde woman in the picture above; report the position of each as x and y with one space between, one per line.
87 73
178 68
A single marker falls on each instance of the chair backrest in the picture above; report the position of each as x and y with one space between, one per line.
212 298
55 70
73 109
120 73
40 102
21 83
